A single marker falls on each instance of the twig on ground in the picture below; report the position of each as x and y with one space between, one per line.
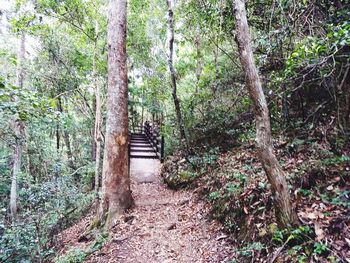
278 251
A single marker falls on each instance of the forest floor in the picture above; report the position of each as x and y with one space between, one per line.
163 226
236 186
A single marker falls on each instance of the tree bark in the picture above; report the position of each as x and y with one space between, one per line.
93 131
199 67
116 194
18 127
284 212
183 137
98 117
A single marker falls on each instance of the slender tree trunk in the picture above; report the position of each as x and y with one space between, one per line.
116 194
27 154
142 112
57 136
142 106
19 127
93 131
69 150
133 113
344 103
199 67
274 172
67 140
180 123
98 117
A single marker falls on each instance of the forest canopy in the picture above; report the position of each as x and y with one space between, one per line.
243 92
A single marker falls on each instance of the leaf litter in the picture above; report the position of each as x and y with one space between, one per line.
163 226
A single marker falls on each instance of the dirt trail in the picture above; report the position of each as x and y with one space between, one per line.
163 226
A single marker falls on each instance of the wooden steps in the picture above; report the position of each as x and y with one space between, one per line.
141 148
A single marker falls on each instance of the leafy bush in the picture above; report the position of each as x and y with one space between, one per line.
46 209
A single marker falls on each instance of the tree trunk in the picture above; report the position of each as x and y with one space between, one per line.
98 117
199 67
67 141
93 131
284 212
57 136
116 194
180 123
69 150
344 103
142 107
58 139
18 127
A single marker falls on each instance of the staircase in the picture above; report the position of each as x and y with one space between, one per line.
140 147
146 142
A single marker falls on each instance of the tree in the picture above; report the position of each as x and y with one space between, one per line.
98 115
274 172
180 122
18 127
116 194
86 24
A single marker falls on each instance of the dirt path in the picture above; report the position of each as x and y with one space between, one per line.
163 226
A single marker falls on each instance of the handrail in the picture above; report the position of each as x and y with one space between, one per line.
155 139
153 136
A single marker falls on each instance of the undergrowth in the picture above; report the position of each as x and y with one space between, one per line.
235 186
77 255
47 209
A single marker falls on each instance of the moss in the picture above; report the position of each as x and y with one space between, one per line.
180 179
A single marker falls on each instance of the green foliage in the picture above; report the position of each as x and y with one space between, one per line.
301 49
320 248
74 255
314 51
292 236
29 103
225 196
336 160
301 244
205 160
305 192
46 209
304 252
337 197
250 249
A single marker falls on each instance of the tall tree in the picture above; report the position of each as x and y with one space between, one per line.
274 172
179 118
18 127
98 114
116 194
